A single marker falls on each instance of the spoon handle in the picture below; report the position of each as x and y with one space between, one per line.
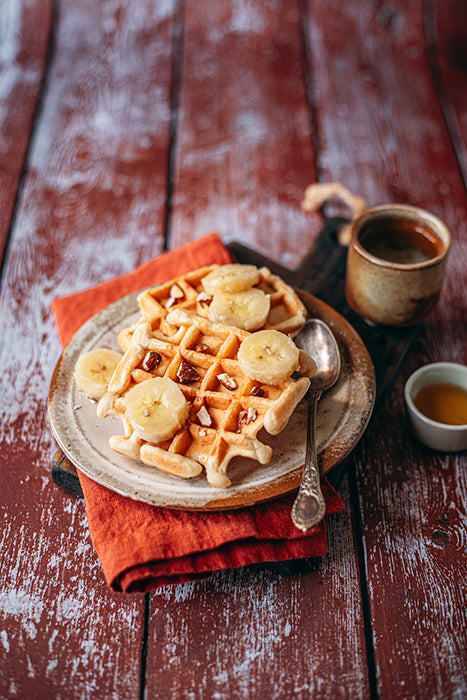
309 506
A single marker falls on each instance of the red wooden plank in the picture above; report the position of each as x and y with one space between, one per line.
93 205
244 156
383 135
448 35
264 632
243 160
24 33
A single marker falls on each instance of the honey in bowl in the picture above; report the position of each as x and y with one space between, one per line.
443 402
400 241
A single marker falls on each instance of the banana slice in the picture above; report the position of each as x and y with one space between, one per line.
268 356
248 309
156 408
231 278
94 370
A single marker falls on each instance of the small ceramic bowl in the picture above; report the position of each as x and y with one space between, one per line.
438 436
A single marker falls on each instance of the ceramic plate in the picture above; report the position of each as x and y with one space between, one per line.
343 414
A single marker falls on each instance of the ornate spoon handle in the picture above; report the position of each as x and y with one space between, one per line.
309 506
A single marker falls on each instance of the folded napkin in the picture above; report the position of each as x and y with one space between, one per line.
142 547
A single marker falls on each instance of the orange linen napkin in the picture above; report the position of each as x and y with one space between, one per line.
142 547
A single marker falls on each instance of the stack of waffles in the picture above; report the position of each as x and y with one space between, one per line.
206 368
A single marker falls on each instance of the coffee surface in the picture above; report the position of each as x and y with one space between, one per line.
400 241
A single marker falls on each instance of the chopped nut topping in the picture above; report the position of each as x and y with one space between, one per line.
202 432
227 381
204 417
151 361
176 292
257 390
203 296
201 347
245 417
186 374
242 418
252 414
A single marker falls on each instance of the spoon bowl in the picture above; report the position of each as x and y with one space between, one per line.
317 339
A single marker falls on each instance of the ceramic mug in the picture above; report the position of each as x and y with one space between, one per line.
396 263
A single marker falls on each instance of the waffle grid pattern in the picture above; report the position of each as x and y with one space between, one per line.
237 411
287 313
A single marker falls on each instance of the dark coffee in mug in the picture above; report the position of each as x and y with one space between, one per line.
400 241
395 264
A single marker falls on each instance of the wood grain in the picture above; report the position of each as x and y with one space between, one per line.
25 29
267 631
242 168
129 127
392 126
243 147
92 206
447 36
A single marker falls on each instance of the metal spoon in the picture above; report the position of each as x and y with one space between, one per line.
318 341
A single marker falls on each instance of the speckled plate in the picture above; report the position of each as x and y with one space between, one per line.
343 414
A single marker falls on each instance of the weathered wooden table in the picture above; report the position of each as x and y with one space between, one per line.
130 128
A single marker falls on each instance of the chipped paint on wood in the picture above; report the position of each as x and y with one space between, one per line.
243 149
92 206
401 151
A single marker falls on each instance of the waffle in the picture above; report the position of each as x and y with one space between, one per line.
236 406
287 313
